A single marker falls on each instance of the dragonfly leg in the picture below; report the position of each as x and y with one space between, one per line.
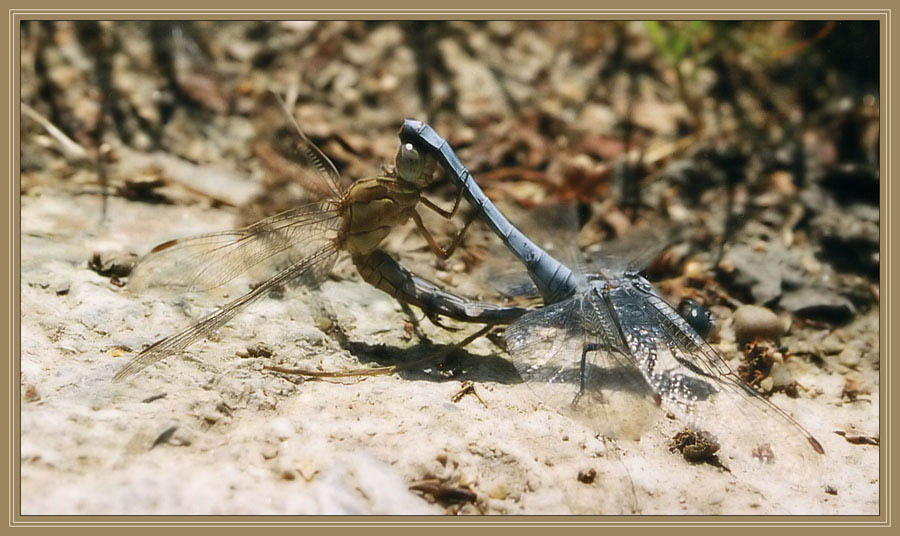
436 320
407 310
447 214
433 245
582 370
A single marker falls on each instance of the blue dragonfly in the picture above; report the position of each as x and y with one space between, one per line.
608 350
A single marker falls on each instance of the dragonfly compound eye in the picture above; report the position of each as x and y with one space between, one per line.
696 316
410 163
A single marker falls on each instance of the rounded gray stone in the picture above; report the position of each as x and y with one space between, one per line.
752 321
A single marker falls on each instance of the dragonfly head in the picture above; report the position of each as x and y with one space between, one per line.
696 316
413 166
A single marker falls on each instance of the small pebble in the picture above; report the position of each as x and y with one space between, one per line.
211 418
780 375
164 437
850 356
113 263
259 349
752 322
818 303
587 476
182 438
498 492
832 344
324 323
31 393
287 474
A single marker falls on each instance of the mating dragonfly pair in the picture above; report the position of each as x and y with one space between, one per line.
604 348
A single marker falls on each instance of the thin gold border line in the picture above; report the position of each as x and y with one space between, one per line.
449 524
887 246
887 261
15 17
457 522
14 285
460 11
12 218
389 10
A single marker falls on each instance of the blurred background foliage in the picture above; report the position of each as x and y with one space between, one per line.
743 132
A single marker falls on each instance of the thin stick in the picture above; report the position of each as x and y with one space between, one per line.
377 371
69 146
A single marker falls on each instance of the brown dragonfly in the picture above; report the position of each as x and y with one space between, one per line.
304 244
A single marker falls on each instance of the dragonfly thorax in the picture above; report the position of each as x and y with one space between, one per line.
640 282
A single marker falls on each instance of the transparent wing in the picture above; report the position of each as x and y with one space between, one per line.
758 439
323 177
634 251
309 270
515 285
574 364
553 227
208 261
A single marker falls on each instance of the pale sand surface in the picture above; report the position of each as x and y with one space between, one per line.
250 442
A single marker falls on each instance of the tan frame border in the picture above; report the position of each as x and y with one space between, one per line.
882 15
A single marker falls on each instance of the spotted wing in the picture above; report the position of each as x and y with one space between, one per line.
757 438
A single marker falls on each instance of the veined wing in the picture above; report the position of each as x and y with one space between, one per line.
310 270
554 228
311 158
572 360
208 261
757 438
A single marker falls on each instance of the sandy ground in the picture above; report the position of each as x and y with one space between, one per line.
214 433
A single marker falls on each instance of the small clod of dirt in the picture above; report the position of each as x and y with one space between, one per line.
758 359
287 474
444 492
853 389
143 189
153 398
859 439
31 393
763 453
164 437
113 263
763 368
224 409
587 476
259 349
696 447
